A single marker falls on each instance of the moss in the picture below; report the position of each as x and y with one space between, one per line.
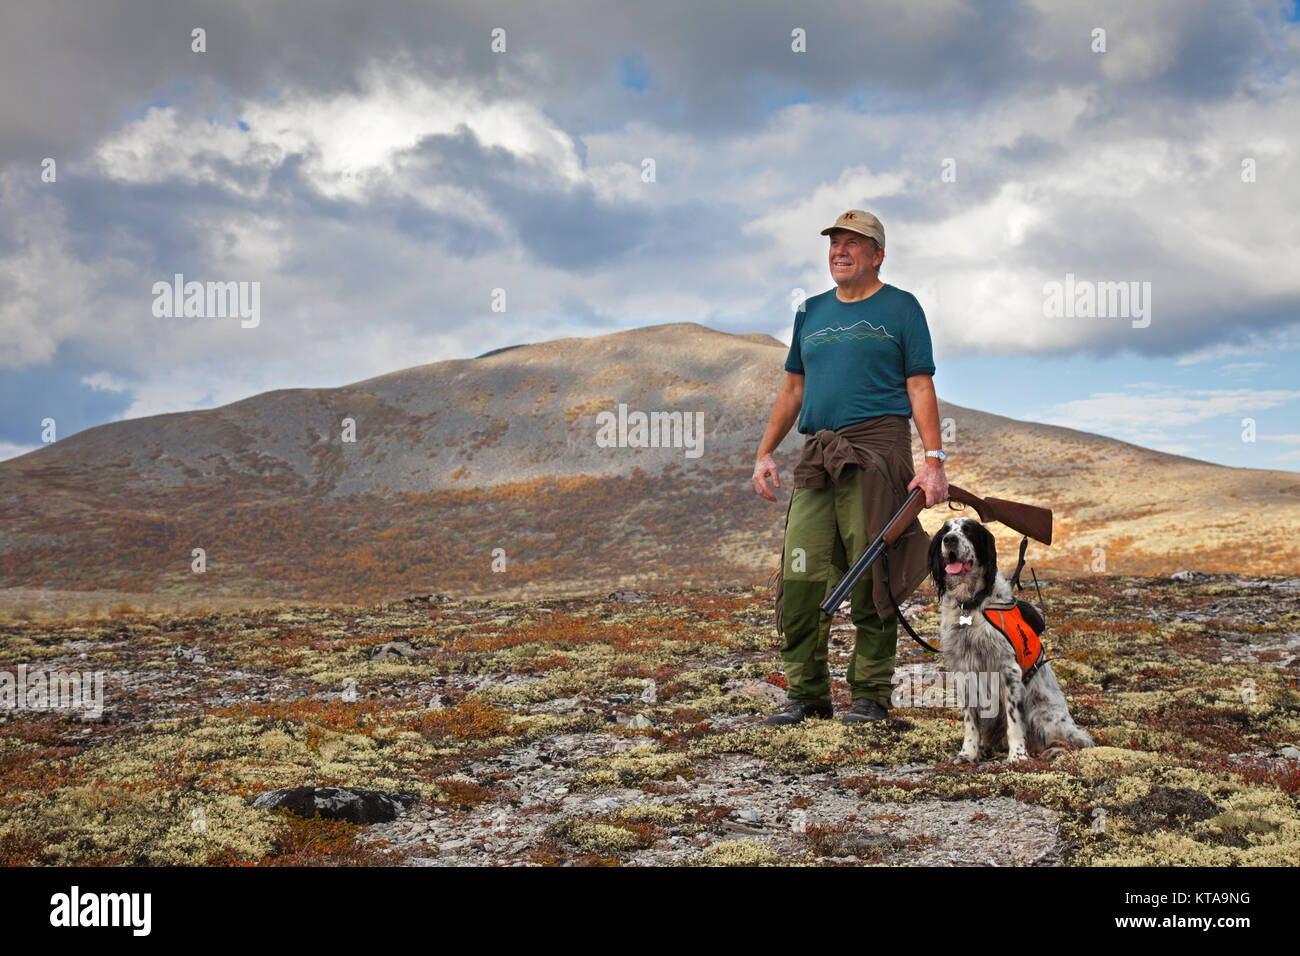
1104 763
656 813
633 766
597 837
151 828
738 853
822 745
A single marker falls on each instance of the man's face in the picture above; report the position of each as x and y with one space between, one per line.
851 258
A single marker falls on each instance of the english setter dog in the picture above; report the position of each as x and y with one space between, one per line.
1029 710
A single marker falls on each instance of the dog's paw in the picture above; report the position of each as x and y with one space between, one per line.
1017 755
966 756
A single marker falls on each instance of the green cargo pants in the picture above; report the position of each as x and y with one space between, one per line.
824 533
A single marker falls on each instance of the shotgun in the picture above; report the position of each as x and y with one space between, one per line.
1029 520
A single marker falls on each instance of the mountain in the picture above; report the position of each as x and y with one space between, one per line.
459 464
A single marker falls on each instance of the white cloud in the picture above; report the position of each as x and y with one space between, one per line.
46 295
351 141
1142 416
104 382
182 392
11 450
1249 344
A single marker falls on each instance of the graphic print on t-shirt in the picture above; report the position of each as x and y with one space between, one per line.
838 333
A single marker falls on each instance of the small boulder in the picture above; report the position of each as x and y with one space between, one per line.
632 721
426 599
392 649
338 803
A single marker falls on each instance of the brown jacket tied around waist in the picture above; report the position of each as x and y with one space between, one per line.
883 447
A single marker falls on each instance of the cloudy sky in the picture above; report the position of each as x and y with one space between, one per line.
380 169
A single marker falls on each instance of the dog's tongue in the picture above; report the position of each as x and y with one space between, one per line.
957 567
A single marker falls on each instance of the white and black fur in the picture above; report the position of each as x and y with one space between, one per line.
1031 719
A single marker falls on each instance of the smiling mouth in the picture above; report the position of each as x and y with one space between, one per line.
957 567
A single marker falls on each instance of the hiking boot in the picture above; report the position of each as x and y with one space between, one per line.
797 711
864 709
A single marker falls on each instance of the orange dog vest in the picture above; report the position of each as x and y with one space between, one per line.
1010 621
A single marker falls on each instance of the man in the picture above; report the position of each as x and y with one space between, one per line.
859 364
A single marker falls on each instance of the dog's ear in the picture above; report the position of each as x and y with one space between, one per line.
936 562
986 553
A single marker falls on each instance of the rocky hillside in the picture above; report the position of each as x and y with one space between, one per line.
430 478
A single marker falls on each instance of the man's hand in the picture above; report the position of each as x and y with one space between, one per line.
765 468
932 479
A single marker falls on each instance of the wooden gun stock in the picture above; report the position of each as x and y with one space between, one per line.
1027 519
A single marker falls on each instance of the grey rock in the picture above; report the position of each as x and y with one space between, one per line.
525 759
391 650
338 803
759 690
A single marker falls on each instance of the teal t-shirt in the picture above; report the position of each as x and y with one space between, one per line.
856 357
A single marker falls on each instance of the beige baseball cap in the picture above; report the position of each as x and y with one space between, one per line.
859 220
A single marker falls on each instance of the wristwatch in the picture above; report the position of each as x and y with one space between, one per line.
937 454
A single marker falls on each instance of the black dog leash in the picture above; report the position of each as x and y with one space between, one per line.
884 567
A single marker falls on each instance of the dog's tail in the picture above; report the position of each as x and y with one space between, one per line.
1070 736
1079 738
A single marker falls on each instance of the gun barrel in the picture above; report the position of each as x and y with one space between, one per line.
892 531
852 576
